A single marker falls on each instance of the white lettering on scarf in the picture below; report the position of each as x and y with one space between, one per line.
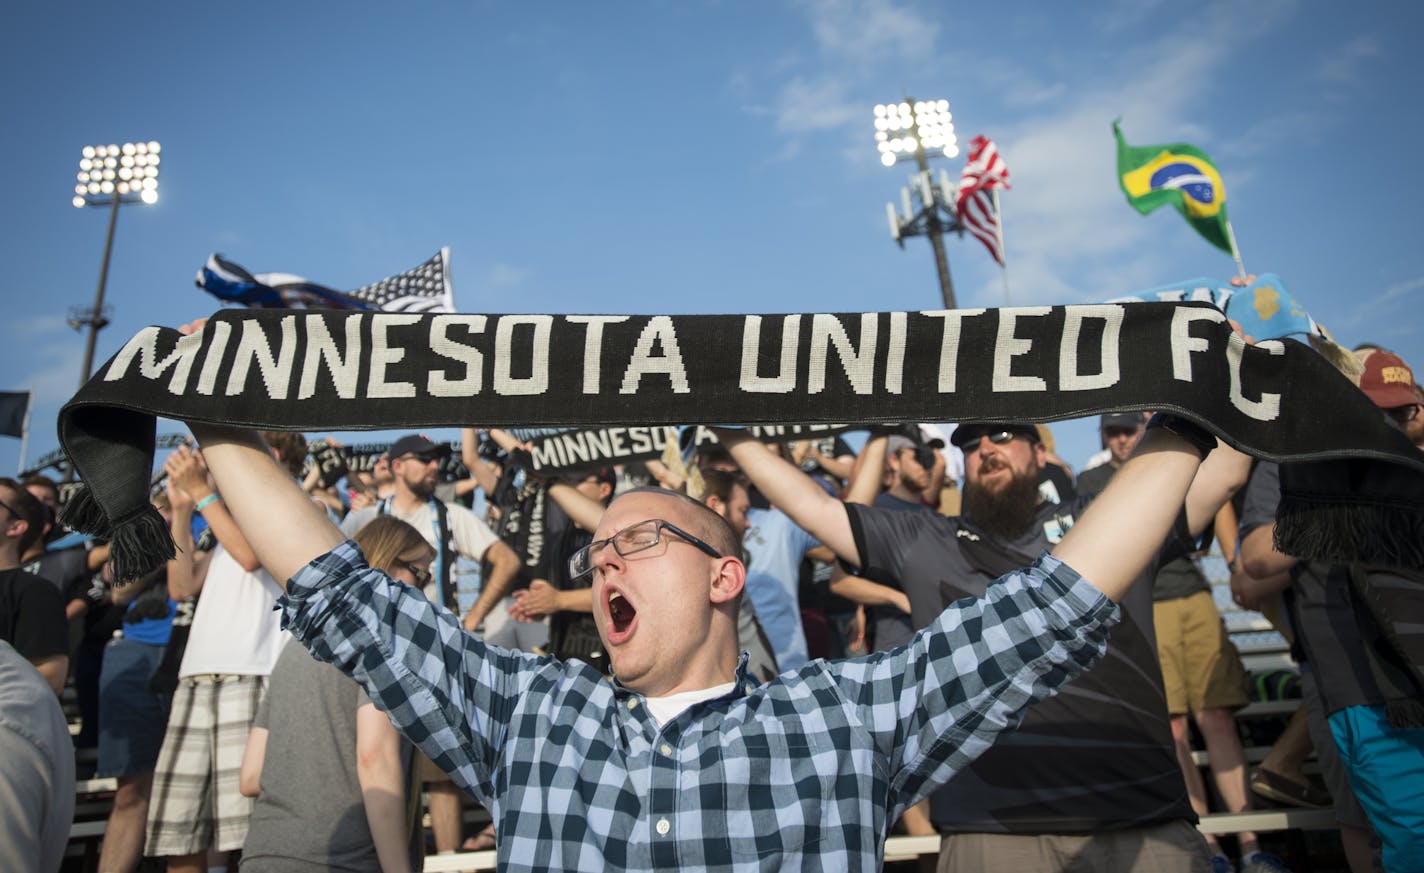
659 331
537 382
1007 347
1070 378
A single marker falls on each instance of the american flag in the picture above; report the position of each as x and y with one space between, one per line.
983 172
424 289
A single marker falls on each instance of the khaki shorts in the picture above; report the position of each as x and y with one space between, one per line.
1201 669
196 803
1173 847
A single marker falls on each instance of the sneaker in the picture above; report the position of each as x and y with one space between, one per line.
1263 862
1222 864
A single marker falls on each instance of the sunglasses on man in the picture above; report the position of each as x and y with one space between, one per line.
968 442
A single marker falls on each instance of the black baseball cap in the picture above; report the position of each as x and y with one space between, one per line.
419 445
970 433
1121 419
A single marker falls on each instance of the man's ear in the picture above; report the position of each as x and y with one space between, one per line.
729 576
16 528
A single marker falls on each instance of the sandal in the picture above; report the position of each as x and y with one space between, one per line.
483 842
1283 789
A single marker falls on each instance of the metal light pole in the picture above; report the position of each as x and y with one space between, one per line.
922 130
110 175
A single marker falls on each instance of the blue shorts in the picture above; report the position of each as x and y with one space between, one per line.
131 718
1387 772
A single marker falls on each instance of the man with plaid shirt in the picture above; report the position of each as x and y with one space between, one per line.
683 761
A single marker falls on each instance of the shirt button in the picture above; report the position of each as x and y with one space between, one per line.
666 750
663 827
632 703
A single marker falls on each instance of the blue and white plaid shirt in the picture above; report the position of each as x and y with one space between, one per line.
808 771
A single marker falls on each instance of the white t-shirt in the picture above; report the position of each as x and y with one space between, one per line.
665 709
472 536
236 629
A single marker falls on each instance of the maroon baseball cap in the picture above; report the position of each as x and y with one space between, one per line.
1388 380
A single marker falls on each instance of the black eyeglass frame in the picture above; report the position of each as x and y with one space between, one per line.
422 575
584 556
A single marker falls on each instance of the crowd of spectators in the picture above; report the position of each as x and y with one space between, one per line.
229 742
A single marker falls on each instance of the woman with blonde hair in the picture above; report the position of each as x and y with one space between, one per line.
330 773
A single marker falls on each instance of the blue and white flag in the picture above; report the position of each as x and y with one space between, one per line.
1264 309
424 289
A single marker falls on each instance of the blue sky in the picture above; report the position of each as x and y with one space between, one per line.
694 156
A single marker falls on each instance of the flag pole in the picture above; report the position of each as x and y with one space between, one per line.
999 233
1235 252
25 430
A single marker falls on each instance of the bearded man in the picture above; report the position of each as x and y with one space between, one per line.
1090 779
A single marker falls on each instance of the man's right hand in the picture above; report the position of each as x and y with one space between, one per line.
187 473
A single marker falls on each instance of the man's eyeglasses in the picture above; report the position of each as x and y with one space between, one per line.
631 540
1404 414
10 509
419 459
420 574
970 441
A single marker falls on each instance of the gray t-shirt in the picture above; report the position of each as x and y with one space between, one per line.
1177 579
37 777
1096 756
309 814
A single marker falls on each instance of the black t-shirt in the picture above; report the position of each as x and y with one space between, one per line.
1090 482
32 615
67 570
1096 756
572 634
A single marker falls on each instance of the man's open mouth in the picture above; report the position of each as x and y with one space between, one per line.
620 612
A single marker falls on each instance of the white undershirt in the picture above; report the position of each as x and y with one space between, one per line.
665 709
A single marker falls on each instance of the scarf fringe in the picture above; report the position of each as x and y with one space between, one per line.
1337 532
140 544
83 513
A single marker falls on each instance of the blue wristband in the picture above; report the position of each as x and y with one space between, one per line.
206 502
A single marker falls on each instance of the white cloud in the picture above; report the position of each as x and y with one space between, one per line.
1066 214
1343 66
36 325
501 275
1400 289
868 31
806 106
851 37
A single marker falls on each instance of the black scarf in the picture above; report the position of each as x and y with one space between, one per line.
352 371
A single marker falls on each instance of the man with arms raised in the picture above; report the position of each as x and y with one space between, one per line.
1091 774
683 762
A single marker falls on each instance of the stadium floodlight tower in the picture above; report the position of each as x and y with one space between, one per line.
110 175
921 130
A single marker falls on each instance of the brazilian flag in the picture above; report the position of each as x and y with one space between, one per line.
1179 174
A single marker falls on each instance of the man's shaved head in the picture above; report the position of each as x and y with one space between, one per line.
700 519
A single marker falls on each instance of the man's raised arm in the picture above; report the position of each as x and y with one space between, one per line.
1149 490
284 527
794 493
